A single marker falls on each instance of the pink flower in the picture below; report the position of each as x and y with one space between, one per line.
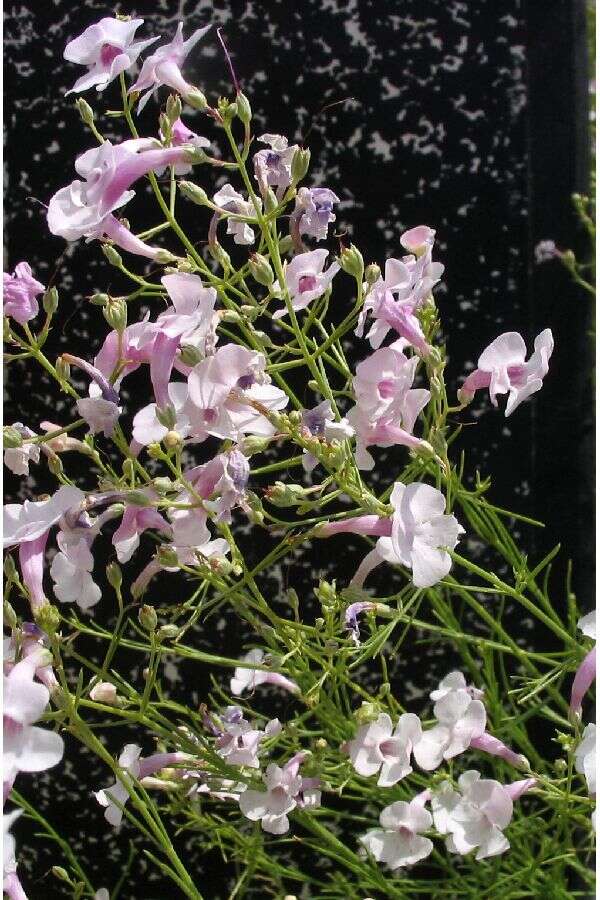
113 230
379 747
135 521
71 572
273 167
30 520
230 200
180 135
305 279
586 673
107 48
247 679
399 843
20 292
585 757
502 368
147 429
286 790
163 67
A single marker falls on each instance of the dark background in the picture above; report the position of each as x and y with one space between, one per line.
468 116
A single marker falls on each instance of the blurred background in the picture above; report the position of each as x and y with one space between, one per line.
472 117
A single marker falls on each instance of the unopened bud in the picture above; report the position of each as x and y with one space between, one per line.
155 451
193 192
114 258
162 484
63 369
167 557
351 262
11 438
85 111
100 299
260 269
252 444
47 617
173 107
286 244
231 315
372 273
283 495
115 313
61 874
167 632
167 416
271 201
250 312
326 593
50 301
10 616
114 575
300 164
137 498
54 463
164 257
147 617
104 692
164 126
244 110
220 255
172 439
196 99
10 569
190 355
367 712
312 384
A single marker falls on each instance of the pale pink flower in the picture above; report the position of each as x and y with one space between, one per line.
136 520
107 48
399 842
11 885
586 673
147 429
585 757
320 422
455 681
273 168
286 790
305 279
238 742
17 459
247 679
503 369
379 747
100 414
112 229
30 520
19 294
71 571
461 719
163 67
230 200
180 135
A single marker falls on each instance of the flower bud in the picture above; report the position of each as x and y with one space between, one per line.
147 617
230 315
85 111
104 692
295 417
190 355
220 255
250 312
167 416
321 744
300 164
63 369
54 463
172 439
227 109
128 468
286 244
252 444
283 495
12 440
164 257
271 201
351 262
260 269
137 498
47 617
10 569
164 126
372 273
155 451
59 872
173 108
193 192
112 256
167 557
244 110
196 99
115 313
114 575
326 593
312 384
50 301
10 616
162 484
167 632
100 299
367 712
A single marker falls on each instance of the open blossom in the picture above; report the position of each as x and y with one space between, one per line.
379 747
286 790
180 135
107 48
305 279
27 521
320 422
238 742
136 519
71 571
163 67
461 719
455 681
313 212
19 293
26 747
400 842
586 672
502 369
17 459
232 201
108 172
585 757
10 881
147 429
247 679
273 168
231 486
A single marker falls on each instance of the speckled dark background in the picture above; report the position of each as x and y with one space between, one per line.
470 116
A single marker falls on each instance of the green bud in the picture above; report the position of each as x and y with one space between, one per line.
167 417
85 111
173 107
193 192
54 463
220 255
61 874
196 99
260 269
164 126
286 244
190 355
115 313
137 498
155 451
321 744
12 440
367 712
112 256
319 623
63 369
100 299
231 316
50 301
284 495
164 257
295 417
172 439
250 312
291 596
351 262
10 569
372 273
10 616
162 484
244 110
167 557
167 632
147 617
128 468
326 593
227 109
300 164
312 384
114 575
271 201
385 689
252 444
47 617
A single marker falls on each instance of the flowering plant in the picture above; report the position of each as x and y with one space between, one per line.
384 792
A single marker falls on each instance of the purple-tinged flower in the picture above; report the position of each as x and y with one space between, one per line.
110 228
399 842
586 673
147 429
163 67
286 790
180 135
503 370
238 742
461 721
313 213
489 744
17 459
100 414
379 747
320 422
374 526
107 48
11 885
418 240
353 612
136 520
20 292
247 679
273 168
401 317
545 251
231 201
585 757
305 279
231 486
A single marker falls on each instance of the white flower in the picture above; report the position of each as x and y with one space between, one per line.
230 200
29 520
455 681
246 679
286 790
129 762
17 459
107 48
378 747
587 624
461 718
100 414
585 757
400 842
474 816
71 572
421 532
